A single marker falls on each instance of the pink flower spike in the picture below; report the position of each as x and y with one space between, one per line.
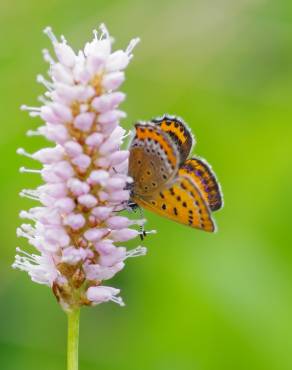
117 61
78 187
113 80
123 235
84 121
118 255
110 117
75 220
102 213
98 177
57 191
118 157
65 54
76 225
62 112
49 155
65 205
47 114
82 161
118 222
119 196
105 246
87 200
73 148
105 103
93 235
57 133
116 183
57 236
72 256
101 294
98 272
94 139
61 74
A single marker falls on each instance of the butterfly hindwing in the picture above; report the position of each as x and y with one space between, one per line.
181 202
203 176
153 159
179 133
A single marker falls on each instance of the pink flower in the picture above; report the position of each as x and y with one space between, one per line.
75 228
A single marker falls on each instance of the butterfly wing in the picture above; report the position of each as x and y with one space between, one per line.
179 133
181 202
153 161
202 175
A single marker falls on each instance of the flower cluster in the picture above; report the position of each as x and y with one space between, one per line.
77 226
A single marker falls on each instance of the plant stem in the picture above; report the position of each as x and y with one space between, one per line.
73 339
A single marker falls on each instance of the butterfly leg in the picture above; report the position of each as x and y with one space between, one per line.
142 232
134 207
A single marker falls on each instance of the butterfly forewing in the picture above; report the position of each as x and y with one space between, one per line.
179 133
153 159
203 176
181 202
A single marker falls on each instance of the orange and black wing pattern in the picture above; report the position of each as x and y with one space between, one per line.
179 134
205 179
154 159
181 202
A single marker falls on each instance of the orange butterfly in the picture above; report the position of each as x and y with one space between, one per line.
165 181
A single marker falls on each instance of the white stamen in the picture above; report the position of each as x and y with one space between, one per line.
47 56
137 252
43 100
63 39
28 196
21 151
30 109
34 114
104 32
33 133
21 233
48 85
30 257
48 31
118 300
131 46
129 133
28 170
28 229
95 34
32 192
27 215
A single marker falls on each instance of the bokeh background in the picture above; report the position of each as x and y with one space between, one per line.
196 301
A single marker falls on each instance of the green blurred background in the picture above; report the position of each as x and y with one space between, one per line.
196 301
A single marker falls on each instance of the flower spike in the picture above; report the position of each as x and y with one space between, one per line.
76 227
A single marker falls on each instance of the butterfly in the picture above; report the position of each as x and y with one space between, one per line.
166 181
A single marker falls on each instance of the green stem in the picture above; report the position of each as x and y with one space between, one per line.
73 339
